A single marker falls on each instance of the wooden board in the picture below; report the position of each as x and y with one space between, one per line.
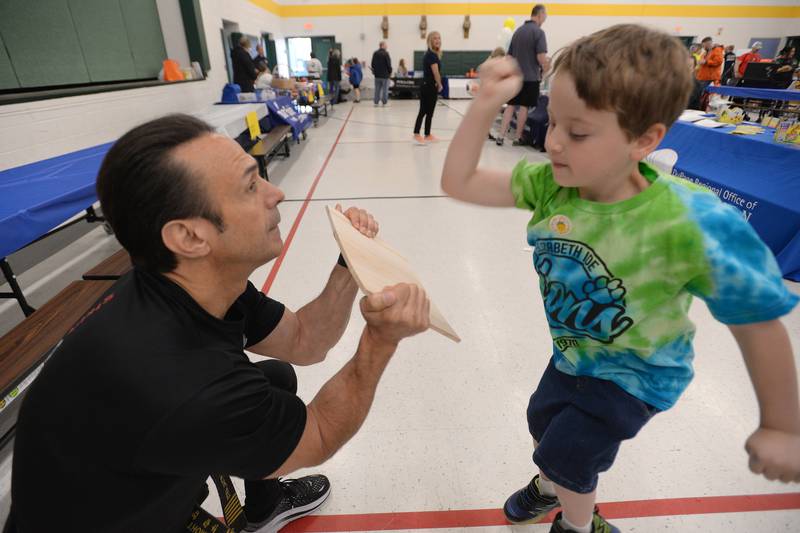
111 268
375 265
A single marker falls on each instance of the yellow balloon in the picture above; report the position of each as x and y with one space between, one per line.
509 23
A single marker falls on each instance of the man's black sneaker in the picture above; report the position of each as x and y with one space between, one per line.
599 525
498 141
528 505
301 497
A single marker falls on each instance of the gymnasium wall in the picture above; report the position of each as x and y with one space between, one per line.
730 21
33 131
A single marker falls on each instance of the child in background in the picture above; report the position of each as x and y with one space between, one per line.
356 75
264 78
402 71
620 250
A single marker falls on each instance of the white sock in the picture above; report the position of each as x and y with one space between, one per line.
547 487
577 529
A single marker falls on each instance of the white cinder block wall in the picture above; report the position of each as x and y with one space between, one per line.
37 130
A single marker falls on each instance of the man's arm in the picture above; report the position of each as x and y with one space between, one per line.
305 337
774 448
342 404
544 61
461 177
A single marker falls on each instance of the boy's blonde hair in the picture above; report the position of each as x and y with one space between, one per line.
636 72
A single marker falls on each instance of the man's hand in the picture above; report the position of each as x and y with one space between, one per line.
361 220
397 312
501 80
774 454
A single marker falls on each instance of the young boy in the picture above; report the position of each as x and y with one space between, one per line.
620 250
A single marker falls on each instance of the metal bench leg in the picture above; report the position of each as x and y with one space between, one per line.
16 292
262 166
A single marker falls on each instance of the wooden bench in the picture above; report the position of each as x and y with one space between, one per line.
111 268
26 347
320 103
269 146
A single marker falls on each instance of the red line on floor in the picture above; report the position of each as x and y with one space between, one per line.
288 241
494 517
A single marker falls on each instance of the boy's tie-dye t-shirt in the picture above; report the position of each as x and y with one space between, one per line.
617 279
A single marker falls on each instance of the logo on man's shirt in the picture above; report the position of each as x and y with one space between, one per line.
582 298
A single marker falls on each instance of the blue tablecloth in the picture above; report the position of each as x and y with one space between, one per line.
283 111
37 197
753 92
755 174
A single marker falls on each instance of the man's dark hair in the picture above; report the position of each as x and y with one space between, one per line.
313 55
141 188
706 39
538 8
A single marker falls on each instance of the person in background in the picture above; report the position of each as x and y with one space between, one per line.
382 69
697 53
431 87
781 70
788 56
710 70
244 70
264 79
356 75
696 96
334 74
402 70
314 67
728 72
750 57
529 47
259 55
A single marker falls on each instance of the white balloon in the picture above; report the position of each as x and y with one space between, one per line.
504 38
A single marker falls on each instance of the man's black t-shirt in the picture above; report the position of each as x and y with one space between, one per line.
145 398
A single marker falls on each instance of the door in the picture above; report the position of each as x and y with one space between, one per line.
269 49
770 48
321 46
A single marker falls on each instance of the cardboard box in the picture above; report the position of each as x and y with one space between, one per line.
280 83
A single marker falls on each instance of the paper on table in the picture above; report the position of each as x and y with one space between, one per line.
708 123
691 115
375 265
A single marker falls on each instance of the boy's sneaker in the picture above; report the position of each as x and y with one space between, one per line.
498 141
518 142
431 139
599 524
529 505
419 139
300 497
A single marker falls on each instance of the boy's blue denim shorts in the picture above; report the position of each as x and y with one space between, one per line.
579 423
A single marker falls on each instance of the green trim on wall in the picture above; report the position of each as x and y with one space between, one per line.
195 32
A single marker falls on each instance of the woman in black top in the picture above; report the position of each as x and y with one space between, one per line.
334 74
431 87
